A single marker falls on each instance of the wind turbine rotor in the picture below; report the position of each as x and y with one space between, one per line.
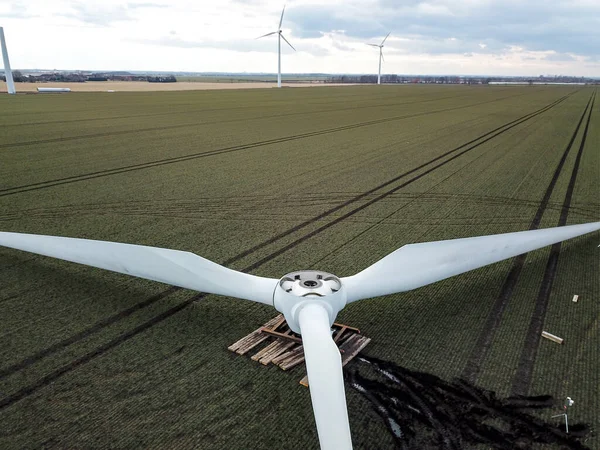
325 378
310 300
417 265
297 289
268 34
175 267
384 39
281 19
279 37
287 42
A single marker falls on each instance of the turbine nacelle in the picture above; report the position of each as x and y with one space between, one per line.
299 289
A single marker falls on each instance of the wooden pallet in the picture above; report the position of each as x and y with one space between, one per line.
284 347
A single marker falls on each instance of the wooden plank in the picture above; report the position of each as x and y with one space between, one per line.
272 324
264 351
286 365
349 343
289 355
552 337
294 360
250 344
355 349
345 338
281 335
293 352
339 333
287 352
244 341
341 325
249 338
281 347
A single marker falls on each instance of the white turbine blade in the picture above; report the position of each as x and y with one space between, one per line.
385 38
373 45
174 267
417 265
268 34
281 20
10 84
283 37
383 59
325 378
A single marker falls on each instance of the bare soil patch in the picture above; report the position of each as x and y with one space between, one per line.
423 411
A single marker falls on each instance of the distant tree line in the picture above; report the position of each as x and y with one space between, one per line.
74 77
449 79
162 79
17 76
404 79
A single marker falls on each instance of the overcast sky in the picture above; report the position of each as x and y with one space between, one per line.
529 37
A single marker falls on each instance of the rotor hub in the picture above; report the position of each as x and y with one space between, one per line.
297 289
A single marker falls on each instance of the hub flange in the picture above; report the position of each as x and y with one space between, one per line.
297 289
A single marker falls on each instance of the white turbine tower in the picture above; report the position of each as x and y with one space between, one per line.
380 56
310 300
280 36
10 84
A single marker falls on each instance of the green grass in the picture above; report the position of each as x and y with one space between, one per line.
282 157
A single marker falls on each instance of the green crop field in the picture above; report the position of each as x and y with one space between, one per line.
271 181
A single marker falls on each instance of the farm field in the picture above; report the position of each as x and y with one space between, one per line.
271 181
144 86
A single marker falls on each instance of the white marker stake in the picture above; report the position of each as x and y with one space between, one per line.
10 84
568 402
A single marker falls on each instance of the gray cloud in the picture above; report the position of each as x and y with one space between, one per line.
97 15
559 57
146 5
266 45
561 25
17 11
104 15
314 21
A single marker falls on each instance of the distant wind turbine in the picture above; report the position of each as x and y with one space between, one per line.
279 37
10 85
380 56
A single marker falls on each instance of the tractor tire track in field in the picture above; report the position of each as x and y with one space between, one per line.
261 207
236 108
236 148
196 124
83 334
484 341
52 376
362 196
329 102
523 376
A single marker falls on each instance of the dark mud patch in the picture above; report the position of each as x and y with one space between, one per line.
423 411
